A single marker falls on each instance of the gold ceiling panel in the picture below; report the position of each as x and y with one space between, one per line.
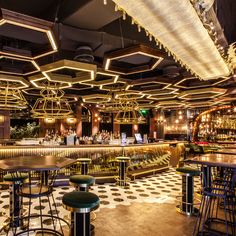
127 55
83 72
27 22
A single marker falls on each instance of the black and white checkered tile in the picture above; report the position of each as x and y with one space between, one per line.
161 188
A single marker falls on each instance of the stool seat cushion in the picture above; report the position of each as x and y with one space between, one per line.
188 170
123 158
15 177
88 160
81 200
82 179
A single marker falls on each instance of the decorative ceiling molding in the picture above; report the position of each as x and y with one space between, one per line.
177 27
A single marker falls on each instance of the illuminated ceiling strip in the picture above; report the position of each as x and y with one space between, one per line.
188 87
13 57
14 79
214 91
182 35
48 33
73 65
37 78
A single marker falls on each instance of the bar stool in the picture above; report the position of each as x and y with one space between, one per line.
186 205
81 204
81 182
219 195
122 178
36 188
15 182
84 165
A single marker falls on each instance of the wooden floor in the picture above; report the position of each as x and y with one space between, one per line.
141 219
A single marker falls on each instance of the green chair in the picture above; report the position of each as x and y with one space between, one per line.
187 204
81 204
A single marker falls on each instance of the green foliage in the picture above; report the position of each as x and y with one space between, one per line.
29 130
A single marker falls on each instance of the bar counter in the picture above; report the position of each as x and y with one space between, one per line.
144 157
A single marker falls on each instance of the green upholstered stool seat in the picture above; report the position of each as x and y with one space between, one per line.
82 180
15 177
188 171
81 202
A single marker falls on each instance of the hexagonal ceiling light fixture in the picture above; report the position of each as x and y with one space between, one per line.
76 72
17 66
120 85
205 93
96 98
102 78
13 82
193 83
10 21
40 81
149 85
169 104
131 60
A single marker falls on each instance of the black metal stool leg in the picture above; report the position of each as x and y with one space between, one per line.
84 168
82 224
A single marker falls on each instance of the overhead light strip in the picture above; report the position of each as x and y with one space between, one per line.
176 26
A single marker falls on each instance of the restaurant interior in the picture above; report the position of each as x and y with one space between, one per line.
117 117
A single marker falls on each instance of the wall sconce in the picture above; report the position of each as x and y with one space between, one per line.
1 118
135 127
71 120
49 120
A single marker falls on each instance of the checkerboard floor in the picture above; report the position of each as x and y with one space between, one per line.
160 188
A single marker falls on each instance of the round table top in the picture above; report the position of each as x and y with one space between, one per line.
214 159
40 163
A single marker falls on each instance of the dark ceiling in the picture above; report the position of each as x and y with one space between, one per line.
91 23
